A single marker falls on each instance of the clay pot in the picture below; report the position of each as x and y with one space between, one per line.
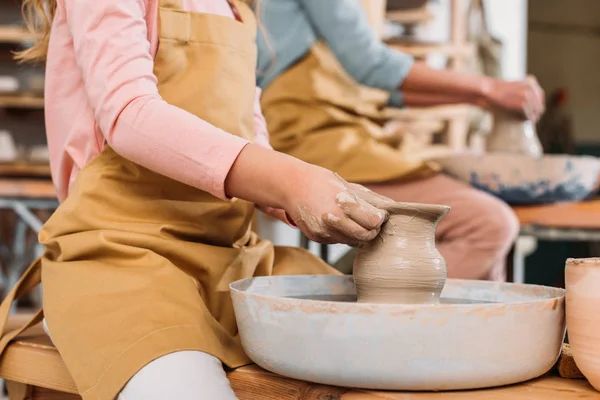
511 134
402 265
582 277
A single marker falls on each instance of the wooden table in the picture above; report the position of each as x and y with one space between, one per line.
248 382
583 215
34 360
578 222
23 198
24 170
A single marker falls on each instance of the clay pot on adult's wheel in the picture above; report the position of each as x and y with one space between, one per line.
511 134
582 277
402 265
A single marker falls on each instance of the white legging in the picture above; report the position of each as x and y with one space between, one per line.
183 375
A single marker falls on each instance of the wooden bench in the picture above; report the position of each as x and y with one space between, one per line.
33 369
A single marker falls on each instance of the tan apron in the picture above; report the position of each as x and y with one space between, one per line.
138 265
316 112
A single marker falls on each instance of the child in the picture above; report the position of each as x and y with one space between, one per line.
151 114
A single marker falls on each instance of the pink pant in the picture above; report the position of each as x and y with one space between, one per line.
476 235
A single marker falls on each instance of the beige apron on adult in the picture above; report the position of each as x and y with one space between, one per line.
138 265
316 112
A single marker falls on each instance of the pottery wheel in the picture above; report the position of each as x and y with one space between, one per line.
310 328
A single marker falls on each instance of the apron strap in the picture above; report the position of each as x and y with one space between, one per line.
242 11
29 280
171 4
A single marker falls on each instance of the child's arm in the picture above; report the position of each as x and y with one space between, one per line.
112 51
262 139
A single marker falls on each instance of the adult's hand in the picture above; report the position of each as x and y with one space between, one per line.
525 98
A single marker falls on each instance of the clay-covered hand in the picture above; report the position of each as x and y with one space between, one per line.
330 210
525 97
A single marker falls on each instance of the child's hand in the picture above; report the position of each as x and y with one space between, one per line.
277 213
324 206
329 210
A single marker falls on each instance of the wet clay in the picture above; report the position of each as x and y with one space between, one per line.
402 265
582 279
511 134
357 203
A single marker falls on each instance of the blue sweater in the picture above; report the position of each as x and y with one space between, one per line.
293 26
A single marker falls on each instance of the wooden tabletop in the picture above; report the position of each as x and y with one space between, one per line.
27 188
34 359
24 170
247 382
582 215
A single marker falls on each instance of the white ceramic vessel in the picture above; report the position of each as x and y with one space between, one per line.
399 347
8 150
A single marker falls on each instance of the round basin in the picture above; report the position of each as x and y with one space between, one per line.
520 179
483 334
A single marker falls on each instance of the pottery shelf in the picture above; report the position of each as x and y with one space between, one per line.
422 50
436 113
25 101
410 17
459 49
15 34
25 169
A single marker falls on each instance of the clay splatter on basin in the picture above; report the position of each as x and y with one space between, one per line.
518 179
540 192
510 334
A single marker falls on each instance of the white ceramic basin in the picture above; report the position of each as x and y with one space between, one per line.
399 347
519 179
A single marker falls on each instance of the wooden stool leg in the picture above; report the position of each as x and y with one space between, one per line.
19 391
304 242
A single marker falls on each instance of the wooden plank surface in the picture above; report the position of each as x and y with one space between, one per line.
437 113
416 16
21 101
15 34
583 215
27 188
248 381
421 50
24 170
34 360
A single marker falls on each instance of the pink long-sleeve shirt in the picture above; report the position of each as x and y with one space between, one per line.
101 90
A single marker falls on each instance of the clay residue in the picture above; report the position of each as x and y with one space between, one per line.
313 223
403 265
350 202
360 209
594 261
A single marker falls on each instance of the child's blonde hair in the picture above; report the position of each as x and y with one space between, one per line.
38 15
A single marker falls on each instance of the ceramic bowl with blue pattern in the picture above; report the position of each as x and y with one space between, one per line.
522 180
